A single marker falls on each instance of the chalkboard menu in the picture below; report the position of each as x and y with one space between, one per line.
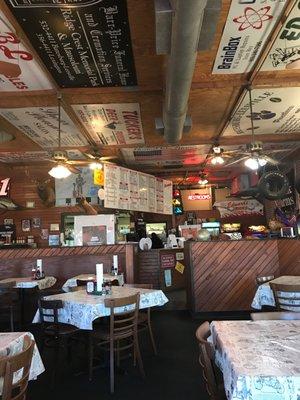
83 43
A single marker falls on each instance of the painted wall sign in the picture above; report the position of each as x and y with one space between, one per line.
200 199
247 28
35 156
275 111
19 71
111 124
87 45
286 47
197 196
239 207
40 124
126 189
164 156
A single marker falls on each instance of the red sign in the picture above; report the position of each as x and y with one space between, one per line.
167 260
197 196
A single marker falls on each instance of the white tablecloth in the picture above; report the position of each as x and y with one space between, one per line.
28 282
81 309
12 343
86 277
264 295
259 360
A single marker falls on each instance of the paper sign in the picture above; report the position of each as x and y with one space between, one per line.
179 256
167 260
168 277
239 208
179 267
98 177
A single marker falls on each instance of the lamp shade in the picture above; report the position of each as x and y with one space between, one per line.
59 172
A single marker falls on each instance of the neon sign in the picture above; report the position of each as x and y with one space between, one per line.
197 196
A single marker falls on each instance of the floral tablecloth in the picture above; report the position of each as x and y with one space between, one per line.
12 343
86 277
81 309
264 295
28 282
259 360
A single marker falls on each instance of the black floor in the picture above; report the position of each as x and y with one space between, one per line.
173 374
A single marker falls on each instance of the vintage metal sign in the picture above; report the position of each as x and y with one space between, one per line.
239 207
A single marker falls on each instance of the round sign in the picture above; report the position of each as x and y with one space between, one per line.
101 194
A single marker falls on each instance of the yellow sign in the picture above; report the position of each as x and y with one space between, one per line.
99 177
179 267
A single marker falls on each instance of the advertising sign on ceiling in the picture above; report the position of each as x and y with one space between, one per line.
87 45
249 24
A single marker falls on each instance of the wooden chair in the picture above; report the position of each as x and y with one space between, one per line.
276 315
122 328
11 364
282 295
9 303
144 322
260 280
54 333
206 359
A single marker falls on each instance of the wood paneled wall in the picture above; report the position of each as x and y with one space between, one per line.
222 274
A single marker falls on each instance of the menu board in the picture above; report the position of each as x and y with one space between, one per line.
126 189
82 43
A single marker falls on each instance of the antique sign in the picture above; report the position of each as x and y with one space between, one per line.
86 45
238 208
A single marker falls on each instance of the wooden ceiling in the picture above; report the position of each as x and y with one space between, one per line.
211 101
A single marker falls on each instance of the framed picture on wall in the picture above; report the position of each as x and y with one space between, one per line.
25 223
36 222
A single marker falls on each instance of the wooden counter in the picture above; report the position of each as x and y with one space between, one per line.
66 262
221 275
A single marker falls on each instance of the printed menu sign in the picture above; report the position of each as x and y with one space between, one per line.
132 190
84 44
18 69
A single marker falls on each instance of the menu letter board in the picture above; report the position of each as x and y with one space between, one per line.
82 43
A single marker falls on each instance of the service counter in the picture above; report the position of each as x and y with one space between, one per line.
66 262
221 275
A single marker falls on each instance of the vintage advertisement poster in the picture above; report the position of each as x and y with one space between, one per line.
275 111
40 124
35 156
249 24
164 156
286 48
19 71
237 208
111 124
84 44
131 190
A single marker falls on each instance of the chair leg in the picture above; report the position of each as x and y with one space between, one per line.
138 355
55 361
118 353
112 367
90 356
11 315
151 334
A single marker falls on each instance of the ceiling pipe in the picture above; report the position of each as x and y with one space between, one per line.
186 27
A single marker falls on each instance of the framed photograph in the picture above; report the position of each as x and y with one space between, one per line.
8 221
53 240
54 227
36 222
25 223
45 234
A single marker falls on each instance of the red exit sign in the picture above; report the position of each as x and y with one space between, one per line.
197 196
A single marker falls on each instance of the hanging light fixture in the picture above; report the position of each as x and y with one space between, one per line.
203 179
217 159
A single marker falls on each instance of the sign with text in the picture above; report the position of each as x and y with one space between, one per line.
239 208
167 260
196 199
40 124
275 111
248 26
111 124
19 71
4 187
87 45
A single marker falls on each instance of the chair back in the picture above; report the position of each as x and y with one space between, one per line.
11 364
275 315
81 282
260 280
287 297
7 285
123 324
206 360
49 313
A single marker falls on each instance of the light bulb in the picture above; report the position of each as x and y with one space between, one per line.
252 163
203 182
217 160
95 165
262 162
59 172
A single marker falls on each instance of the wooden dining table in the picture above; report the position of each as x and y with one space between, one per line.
259 360
81 309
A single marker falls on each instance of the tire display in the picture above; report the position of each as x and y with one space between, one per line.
273 185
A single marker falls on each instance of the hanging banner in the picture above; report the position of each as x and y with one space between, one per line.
87 45
19 71
238 208
164 156
286 47
111 124
40 124
275 111
132 190
249 24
